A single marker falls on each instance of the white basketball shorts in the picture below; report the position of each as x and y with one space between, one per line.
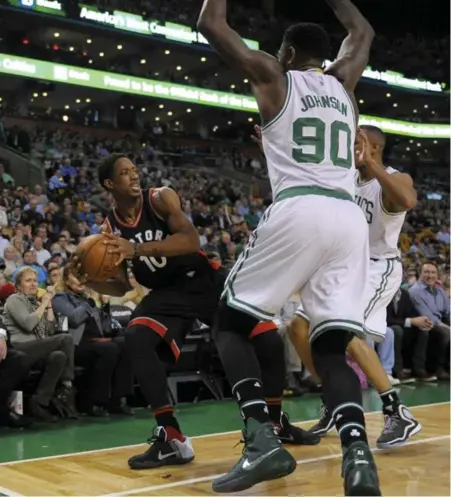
312 243
385 278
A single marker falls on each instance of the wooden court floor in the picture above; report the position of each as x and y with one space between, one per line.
420 468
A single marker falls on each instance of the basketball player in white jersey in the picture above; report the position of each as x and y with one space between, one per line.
384 195
313 239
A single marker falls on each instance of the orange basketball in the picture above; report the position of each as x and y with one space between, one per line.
95 260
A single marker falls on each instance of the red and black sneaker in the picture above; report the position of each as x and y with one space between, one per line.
291 434
164 450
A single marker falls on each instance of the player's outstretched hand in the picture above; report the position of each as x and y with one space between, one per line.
257 138
120 246
363 151
74 266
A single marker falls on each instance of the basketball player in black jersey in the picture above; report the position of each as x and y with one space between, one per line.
149 229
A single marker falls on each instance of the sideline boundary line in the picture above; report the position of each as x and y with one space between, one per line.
192 481
195 437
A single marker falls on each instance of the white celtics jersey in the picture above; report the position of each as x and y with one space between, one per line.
384 227
310 143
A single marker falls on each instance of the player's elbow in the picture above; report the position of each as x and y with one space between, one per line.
409 202
194 242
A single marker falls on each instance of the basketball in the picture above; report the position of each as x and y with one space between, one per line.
95 260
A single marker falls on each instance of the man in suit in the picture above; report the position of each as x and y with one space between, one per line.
411 334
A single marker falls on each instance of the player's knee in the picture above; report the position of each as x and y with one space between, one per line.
329 351
268 345
232 320
140 339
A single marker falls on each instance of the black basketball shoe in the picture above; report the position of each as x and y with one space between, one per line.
290 434
399 427
263 458
325 423
359 471
163 452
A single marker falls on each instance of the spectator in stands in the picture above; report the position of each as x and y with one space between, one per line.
31 325
411 338
443 236
10 262
97 348
432 301
54 275
29 260
386 352
13 369
5 177
42 254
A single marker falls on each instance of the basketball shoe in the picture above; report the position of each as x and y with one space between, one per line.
263 458
359 470
163 451
399 426
325 423
291 434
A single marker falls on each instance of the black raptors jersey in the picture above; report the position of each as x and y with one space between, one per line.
155 272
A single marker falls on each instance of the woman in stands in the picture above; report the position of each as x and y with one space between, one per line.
97 348
30 323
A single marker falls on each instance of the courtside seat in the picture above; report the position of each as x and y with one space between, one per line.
198 362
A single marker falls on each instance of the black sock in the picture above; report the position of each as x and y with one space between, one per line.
164 416
390 401
249 394
274 409
350 423
341 387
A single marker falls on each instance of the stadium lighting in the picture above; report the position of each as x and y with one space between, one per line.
88 100
169 113
246 81
90 61
143 109
88 41
78 101
188 110
35 95
395 105
361 101
233 87
179 68
161 106
119 47
167 52
157 119
44 94
67 107
65 119
426 106
186 78
388 95
251 119
101 54
230 123
415 111
203 59
56 35
142 61
71 49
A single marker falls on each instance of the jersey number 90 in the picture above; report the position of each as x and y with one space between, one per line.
309 133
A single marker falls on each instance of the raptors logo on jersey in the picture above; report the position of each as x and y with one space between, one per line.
154 272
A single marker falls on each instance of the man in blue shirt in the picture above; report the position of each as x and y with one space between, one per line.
431 301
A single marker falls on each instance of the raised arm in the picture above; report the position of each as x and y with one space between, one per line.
268 81
212 23
355 50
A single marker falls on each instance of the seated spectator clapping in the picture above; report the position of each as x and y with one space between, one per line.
31 324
